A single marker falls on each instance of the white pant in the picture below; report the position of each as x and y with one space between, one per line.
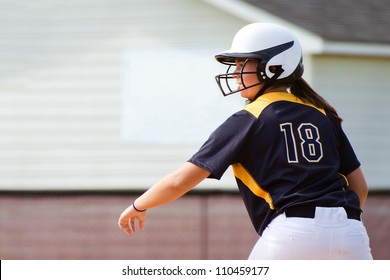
330 235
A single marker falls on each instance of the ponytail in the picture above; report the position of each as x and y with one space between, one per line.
304 91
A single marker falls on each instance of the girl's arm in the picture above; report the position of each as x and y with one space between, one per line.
168 189
358 184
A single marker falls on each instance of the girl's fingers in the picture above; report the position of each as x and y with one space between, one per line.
128 225
132 225
141 224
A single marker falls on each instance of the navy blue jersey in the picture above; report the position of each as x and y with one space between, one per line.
284 153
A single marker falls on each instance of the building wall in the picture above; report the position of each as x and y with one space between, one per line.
61 83
358 88
60 88
212 226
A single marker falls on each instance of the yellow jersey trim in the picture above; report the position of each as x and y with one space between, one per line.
257 106
345 178
241 173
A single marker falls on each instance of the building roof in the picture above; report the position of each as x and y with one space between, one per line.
355 21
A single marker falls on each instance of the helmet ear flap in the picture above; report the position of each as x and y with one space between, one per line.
274 68
261 74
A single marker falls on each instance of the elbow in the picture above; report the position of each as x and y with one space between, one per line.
365 190
358 184
178 182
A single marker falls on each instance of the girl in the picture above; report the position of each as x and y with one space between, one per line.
298 175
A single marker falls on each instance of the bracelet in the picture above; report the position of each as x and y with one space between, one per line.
138 209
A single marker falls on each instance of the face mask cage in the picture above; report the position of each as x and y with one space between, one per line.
227 82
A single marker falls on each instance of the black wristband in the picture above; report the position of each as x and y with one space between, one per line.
138 209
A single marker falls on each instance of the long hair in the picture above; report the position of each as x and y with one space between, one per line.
304 91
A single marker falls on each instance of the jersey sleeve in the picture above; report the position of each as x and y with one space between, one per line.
224 144
348 159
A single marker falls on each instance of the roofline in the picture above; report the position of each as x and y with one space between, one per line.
356 48
311 42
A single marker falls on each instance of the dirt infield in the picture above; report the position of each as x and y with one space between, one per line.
194 227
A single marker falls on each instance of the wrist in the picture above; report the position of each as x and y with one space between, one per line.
137 209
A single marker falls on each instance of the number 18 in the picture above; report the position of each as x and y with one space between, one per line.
311 147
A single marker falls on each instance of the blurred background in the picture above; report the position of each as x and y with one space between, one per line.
99 99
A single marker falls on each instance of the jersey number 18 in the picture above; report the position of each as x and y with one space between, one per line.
310 145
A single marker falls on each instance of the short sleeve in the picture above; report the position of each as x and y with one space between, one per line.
348 159
224 144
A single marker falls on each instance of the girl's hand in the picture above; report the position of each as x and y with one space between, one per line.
167 189
127 219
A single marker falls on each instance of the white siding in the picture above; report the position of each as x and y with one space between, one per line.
181 105
60 83
359 89
60 91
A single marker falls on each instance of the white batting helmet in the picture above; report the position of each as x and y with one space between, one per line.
276 48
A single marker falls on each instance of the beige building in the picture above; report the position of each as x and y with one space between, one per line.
70 117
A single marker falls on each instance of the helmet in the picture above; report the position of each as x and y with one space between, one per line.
276 49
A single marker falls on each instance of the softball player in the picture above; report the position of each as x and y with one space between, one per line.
298 175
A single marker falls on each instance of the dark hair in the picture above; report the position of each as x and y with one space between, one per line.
306 93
